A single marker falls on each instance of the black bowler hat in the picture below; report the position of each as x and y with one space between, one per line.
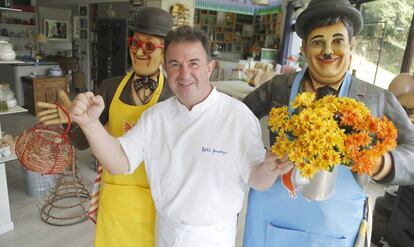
327 8
152 21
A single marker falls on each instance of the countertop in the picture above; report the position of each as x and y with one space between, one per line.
34 63
11 62
225 59
28 63
235 88
15 109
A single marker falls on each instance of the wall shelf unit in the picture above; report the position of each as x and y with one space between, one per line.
235 33
20 28
231 32
267 30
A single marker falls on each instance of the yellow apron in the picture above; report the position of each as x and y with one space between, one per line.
126 215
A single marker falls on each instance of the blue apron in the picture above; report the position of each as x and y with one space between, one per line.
275 219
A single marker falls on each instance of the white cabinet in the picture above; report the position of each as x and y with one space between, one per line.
6 224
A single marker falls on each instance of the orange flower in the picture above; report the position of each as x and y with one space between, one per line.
331 131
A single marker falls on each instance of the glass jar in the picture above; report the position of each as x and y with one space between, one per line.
3 106
5 94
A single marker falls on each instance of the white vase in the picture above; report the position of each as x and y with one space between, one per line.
6 51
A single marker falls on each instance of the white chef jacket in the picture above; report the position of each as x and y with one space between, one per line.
198 162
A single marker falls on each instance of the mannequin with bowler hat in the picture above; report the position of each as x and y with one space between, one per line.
327 29
126 215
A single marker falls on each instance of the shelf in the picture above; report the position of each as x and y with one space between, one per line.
16 109
17 25
8 158
25 38
11 62
10 9
225 29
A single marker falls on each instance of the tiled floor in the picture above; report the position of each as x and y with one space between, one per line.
30 230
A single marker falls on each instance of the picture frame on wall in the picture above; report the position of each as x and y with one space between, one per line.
76 27
137 3
83 34
83 23
83 11
56 29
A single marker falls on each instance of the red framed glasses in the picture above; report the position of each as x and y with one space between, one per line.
147 47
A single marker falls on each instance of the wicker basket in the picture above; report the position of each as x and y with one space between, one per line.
45 149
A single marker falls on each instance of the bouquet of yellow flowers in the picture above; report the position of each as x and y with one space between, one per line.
322 133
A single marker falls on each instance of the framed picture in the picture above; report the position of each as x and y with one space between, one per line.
55 29
83 11
83 34
76 27
83 23
137 3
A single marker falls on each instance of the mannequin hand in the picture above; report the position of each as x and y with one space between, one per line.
378 164
382 167
86 108
52 114
274 166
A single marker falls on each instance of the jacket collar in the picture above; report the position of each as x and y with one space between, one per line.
357 89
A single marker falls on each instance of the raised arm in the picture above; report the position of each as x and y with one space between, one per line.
107 149
402 170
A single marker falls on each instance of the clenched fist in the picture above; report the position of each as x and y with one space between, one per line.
86 108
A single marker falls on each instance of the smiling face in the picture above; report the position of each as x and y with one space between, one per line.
188 72
146 53
328 50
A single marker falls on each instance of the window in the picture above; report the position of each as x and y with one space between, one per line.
380 45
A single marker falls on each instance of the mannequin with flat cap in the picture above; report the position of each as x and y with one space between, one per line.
327 29
126 215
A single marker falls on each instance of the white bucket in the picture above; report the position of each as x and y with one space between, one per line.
37 185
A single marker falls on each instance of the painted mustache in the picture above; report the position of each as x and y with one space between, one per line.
327 56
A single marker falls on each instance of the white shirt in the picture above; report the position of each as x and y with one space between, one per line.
198 162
